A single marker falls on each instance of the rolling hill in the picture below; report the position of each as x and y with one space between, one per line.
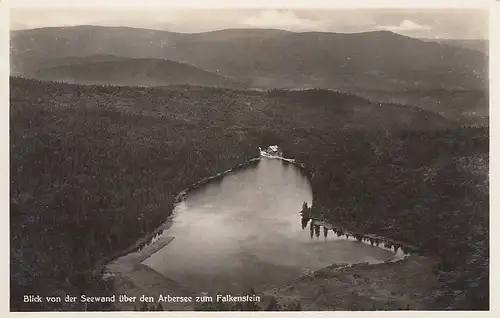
469 107
128 72
271 58
26 67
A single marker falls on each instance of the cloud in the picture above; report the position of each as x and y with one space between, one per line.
406 25
287 20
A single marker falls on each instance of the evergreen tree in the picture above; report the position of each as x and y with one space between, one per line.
221 306
237 307
306 211
298 307
251 305
294 306
159 307
273 305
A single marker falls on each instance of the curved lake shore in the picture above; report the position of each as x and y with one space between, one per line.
130 151
133 277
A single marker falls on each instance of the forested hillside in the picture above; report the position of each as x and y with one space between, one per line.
94 168
130 72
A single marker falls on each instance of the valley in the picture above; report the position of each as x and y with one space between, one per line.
113 128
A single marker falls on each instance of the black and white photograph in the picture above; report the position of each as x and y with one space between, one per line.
249 159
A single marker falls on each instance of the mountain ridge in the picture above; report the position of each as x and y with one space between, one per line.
200 32
274 58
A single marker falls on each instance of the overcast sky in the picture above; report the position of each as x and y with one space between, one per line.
429 23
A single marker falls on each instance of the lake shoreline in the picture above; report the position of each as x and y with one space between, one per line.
331 226
165 148
143 241
146 239
128 266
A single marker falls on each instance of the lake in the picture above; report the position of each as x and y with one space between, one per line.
244 231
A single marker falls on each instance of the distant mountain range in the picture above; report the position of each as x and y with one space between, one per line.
261 58
478 45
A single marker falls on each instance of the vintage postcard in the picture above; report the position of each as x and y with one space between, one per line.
259 158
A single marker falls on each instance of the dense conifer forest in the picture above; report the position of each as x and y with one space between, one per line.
95 168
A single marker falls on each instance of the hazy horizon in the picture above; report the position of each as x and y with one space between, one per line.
417 23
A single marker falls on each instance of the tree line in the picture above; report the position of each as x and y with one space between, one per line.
94 168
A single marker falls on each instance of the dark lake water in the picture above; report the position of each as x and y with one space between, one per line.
244 230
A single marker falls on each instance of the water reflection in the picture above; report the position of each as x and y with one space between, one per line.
242 230
304 222
316 230
315 226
